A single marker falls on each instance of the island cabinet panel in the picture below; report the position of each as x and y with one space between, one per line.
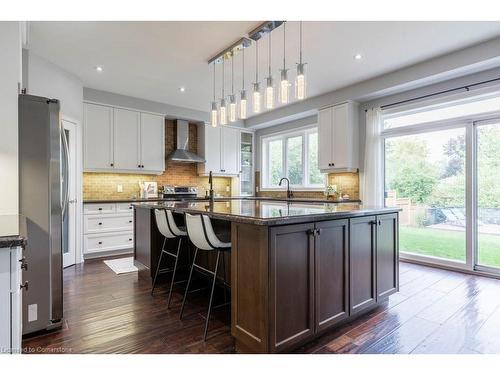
362 263
331 272
249 287
291 285
387 255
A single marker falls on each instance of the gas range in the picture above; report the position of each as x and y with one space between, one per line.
180 192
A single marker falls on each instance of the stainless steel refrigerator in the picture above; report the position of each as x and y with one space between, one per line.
42 200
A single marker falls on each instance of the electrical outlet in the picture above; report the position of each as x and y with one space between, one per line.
256 189
228 189
119 188
32 312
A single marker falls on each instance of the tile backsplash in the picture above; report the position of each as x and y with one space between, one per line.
104 185
347 183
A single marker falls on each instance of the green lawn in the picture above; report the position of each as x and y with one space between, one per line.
448 244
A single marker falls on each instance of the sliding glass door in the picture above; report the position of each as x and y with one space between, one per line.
488 195
425 177
442 168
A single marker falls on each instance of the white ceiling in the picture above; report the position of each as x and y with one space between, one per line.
151 60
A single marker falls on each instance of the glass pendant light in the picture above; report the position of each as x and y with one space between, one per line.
232 97
243 93
269 83
223 104
213 113
284 84
256 87
300 79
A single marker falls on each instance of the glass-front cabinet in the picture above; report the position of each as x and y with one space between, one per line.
246 163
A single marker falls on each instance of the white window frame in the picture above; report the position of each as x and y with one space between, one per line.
470 124
284 136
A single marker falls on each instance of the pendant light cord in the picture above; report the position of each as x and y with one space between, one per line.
269 55
223 63
243 70
232 73
284 45
300 43
214 81
257 62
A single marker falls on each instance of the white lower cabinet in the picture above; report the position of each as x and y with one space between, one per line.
95 243
107 227
10 300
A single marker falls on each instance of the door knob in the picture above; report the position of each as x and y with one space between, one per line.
25 285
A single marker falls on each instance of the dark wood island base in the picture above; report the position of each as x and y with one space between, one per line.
296 275
291 283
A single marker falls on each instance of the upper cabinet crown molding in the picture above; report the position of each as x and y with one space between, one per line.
338 134
119 139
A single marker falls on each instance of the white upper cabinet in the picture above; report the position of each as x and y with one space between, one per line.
220 148
230 142
123 140
338 138
152 142
98 135
209 147
127 134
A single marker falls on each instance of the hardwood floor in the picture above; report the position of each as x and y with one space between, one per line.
436 311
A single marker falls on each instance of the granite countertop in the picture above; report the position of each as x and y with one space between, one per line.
12 228
270 212
137 200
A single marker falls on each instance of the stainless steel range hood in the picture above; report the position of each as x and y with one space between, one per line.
182 154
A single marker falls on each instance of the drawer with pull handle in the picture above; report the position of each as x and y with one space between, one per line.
124 207
96 224
99 208
108 242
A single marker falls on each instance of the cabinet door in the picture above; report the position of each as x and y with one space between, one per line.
98 137
213 149
152 142
230 145
387 255
325 137
362 281
292 285
341 136
331 272
127 139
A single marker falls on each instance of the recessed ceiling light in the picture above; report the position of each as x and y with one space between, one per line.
357 56
98 68
182 89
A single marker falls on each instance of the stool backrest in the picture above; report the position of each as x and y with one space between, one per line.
162 224
200 232
172 225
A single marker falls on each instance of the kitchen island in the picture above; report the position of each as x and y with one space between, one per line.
297 269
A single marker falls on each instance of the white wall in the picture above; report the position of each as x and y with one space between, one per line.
49 80
10 78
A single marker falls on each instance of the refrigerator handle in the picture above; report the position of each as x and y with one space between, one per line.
67 171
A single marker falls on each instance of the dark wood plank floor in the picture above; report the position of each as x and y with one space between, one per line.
436 311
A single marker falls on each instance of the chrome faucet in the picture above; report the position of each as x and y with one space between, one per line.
211 191
289 193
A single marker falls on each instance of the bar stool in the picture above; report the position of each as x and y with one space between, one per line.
168 228
202 236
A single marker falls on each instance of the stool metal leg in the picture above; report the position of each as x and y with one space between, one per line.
211 296
188 282
224 286
158 266
173 274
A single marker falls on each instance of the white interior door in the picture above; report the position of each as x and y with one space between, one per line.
69 218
